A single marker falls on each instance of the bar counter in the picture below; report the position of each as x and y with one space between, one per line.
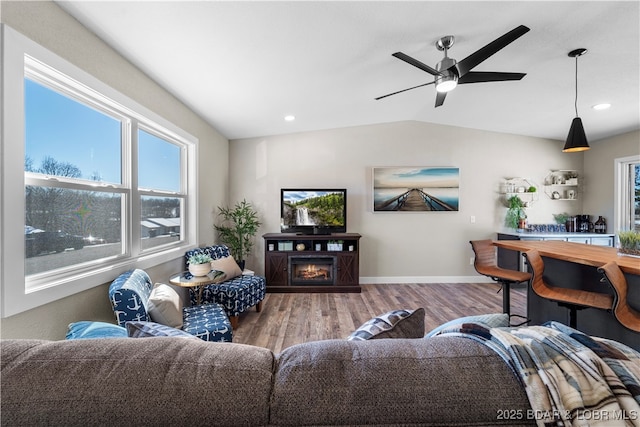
580 253
574 265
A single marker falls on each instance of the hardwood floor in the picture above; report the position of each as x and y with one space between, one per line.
288 319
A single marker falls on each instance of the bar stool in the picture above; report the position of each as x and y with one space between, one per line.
627 316
486 263
573 299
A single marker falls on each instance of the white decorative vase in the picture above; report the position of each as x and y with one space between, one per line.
200 269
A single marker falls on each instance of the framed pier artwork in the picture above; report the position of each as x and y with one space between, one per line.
416 189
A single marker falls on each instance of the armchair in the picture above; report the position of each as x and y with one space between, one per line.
236 294
129 294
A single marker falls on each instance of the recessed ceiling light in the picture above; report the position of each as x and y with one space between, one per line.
601 106
290 118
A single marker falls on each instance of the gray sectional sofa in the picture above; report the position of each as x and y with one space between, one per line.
176 381
468 372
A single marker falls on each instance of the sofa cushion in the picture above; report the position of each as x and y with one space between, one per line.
394 324
152 329
165 306
450 381
228 266
495 320
88 329
134 382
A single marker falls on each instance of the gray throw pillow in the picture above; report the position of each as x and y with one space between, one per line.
152 329
394 324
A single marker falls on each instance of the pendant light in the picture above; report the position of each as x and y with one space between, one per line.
576 140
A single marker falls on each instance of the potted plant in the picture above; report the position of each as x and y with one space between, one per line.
629 243
561 218
199 264
516 213
238 227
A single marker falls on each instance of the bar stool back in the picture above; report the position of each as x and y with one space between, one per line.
573 299
625 314
486 263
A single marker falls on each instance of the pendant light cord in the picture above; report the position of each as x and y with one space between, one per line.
576 100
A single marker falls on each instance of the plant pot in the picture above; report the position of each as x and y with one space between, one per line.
200 269
635 252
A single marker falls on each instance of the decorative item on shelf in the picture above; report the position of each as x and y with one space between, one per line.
600 225
199 264
238 227
285 245
334 245
300 247
515 213
629 243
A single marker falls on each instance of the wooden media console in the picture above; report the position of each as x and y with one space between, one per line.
312 263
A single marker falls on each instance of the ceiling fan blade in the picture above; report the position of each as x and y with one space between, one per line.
440 96
464 66
416 63
403 90
488 76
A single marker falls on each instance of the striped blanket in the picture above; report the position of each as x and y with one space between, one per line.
571 379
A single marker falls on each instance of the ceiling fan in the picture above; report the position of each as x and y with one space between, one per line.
449 73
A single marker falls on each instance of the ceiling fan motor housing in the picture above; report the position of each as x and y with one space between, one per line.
448 79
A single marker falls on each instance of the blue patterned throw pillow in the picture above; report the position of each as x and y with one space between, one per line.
89 329
394 324
152 329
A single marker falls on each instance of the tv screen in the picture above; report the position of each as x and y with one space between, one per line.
313 211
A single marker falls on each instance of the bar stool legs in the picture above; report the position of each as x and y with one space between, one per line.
486 263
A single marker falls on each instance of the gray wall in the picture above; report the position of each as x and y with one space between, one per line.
599 173
51 27
401 247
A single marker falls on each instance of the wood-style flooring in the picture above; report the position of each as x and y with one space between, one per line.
287 319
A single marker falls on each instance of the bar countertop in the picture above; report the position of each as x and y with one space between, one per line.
579 253
551 234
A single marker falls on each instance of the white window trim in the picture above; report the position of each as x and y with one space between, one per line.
622 191
13 294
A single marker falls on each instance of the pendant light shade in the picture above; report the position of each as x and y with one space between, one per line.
577 139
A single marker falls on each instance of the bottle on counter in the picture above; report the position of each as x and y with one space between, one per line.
600 226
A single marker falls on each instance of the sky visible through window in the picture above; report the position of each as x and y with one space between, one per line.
68 131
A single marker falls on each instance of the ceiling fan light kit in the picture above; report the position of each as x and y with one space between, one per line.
449 73
577 139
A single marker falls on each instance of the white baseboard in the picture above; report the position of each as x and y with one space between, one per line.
424 279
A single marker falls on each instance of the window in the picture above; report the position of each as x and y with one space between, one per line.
627 193
71 149
93 183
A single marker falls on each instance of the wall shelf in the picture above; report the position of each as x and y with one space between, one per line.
519 187
562 185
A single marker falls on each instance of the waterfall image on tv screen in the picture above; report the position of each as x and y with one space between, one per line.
313 208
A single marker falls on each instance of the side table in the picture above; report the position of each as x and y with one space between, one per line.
188 280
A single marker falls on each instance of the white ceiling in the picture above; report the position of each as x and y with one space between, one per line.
244 65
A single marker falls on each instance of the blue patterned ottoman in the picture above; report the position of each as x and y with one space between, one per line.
208 322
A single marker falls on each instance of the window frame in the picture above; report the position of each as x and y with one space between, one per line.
624 201
18 292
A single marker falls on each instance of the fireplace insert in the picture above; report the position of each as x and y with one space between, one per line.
312 270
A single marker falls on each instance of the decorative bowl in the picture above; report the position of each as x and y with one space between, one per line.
200 269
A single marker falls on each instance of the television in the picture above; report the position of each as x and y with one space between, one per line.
313 211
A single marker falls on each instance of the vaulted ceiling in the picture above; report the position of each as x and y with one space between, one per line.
244 65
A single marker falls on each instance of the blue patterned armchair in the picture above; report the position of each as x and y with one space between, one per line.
237 294
129 295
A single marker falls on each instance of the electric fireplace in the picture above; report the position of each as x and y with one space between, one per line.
312 270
